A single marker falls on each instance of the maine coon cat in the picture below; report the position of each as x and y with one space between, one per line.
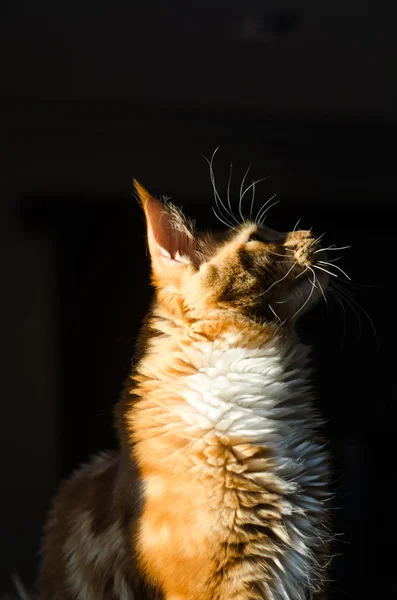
219 490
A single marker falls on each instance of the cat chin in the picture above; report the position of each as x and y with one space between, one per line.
303 296
304 284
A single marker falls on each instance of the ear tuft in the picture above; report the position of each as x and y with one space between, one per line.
142 193
170 235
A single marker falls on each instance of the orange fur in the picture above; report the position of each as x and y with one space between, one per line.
192 539
214 517
191 530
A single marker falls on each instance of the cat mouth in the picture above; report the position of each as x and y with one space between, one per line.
305 270
310 278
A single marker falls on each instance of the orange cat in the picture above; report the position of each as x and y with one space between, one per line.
219 491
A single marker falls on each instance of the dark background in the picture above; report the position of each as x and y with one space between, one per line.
93 94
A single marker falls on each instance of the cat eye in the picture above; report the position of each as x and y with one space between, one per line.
255 237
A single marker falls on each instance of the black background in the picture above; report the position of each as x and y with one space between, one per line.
95 94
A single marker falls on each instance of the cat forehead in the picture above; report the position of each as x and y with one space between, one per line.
231 235
223 242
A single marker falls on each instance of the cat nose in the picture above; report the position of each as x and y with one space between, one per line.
299 238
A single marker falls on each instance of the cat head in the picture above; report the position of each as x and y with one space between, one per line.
264 274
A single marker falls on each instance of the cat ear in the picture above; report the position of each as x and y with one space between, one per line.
170 235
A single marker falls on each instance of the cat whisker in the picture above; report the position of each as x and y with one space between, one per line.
319 284
247 189
325 270
263 210
331 248
240 203
228 192
332 260
262 220
274 312
228 225
352 302
219 206
252 199
302 273
323 262
19 587
217 198
307 299
278 281
338 286
320 237
306 236
276 253
280 322
347 299
296 224
342 306
354 284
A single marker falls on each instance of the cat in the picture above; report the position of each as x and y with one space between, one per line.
220 488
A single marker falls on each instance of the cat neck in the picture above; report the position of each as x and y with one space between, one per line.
232 326
221 375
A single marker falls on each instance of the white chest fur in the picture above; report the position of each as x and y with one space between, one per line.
256 393
262 396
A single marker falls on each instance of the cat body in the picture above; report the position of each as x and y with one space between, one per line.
219 491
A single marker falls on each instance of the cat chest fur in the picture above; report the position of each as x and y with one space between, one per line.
236 483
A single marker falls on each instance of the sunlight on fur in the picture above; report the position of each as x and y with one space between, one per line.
220 488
